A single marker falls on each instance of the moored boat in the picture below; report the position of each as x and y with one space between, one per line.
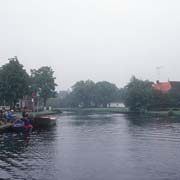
44 121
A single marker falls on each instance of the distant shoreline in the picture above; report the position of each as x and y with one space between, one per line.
95 110
170 113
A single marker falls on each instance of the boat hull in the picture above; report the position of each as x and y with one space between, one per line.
44 121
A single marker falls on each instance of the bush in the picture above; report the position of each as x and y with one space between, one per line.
170 113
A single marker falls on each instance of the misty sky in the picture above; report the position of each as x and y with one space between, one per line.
93 39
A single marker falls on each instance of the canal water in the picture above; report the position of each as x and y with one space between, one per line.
94 147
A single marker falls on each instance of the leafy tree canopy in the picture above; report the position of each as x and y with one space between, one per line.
139 94
83 93
43 82
105 93
14 82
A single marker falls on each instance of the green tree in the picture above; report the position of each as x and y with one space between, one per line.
43 82
139 94
105 92
83 93
164 101
62 100
89 94
121 94
14 82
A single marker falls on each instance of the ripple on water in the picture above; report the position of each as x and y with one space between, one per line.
94 147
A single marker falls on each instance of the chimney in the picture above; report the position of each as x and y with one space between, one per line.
157 81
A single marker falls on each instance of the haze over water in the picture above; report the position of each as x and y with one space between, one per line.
93 146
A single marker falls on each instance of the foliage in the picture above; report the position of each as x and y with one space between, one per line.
14 82
139 94
105 93
83 93
43 82
63 99
160 100
163 101
87 94
170 113
121 95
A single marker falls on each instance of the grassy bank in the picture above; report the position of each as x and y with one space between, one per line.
95 110
44 113
41 113
170 113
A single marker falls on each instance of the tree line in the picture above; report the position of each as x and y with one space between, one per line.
141 96
16 83
138 95
87 94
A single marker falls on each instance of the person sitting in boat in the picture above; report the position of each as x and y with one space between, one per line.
24 112
9 116
18 123
26 120
6 116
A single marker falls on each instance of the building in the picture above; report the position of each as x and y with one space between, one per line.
166 87
25 102
116 105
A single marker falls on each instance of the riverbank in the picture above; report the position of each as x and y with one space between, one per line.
94 110
41 113
44 113
170 113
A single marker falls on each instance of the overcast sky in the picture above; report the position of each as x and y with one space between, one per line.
93 39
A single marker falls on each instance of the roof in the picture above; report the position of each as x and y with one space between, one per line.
162 86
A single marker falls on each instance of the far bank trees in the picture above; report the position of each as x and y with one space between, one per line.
105 93
87 94
139 94
83 93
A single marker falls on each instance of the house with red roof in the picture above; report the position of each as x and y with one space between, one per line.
166 87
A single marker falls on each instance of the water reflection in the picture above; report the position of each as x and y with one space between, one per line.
91 120
21 155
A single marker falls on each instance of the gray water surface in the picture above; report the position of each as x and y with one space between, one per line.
94 147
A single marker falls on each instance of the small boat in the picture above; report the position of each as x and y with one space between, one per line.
44 121
21 127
